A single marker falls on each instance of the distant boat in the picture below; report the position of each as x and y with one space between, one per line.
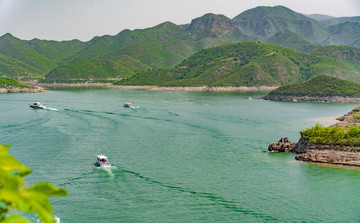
102 160
127 105
37 105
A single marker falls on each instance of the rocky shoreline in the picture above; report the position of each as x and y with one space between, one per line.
22 90
332 99
322 153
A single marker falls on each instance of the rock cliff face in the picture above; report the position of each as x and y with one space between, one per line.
326 154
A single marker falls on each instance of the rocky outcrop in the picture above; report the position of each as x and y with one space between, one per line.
333 99
283 145
329 154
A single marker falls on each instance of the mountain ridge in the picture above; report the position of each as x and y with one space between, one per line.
164 45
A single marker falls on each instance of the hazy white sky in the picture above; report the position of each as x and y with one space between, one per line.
84 19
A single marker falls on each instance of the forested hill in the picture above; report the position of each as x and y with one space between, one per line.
319 88
254 64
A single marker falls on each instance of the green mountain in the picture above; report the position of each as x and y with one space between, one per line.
164 45
320 86
292 40
253 64
346 34
33 59
320 17
335 21
267 21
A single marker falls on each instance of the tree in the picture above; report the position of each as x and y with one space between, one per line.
15 195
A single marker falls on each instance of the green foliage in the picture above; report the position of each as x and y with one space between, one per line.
14 195
5 83
333 135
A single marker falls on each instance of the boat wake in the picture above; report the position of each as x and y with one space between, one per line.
108 170
57 220
52 109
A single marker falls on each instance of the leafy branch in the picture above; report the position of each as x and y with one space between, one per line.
15 195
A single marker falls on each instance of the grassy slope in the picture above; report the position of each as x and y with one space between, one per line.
97 69
33 59
254 64
5 83
292 40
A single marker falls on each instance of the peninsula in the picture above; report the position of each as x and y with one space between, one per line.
338 144
11 86
321 88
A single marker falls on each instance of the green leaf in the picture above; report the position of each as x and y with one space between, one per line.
14 218
9 181
48 189
14 200
10 163
4 149
40 204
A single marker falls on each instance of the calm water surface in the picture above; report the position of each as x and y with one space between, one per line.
177 157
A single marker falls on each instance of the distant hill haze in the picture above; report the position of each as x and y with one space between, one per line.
108 58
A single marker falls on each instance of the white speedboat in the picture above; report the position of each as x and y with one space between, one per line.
37 105
102 160
127 105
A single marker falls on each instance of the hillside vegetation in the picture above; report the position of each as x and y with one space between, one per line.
346 136
20 59
6 83
253 64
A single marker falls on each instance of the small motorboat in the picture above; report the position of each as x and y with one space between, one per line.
37 105
102 161
127 105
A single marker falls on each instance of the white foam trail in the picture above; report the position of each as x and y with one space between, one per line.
108 170
57 219
52 109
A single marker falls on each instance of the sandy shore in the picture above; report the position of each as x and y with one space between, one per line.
203 88
74 85
160 88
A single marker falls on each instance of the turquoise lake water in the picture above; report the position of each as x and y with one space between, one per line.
176 157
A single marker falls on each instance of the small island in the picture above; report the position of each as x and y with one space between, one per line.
321 88
338 144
